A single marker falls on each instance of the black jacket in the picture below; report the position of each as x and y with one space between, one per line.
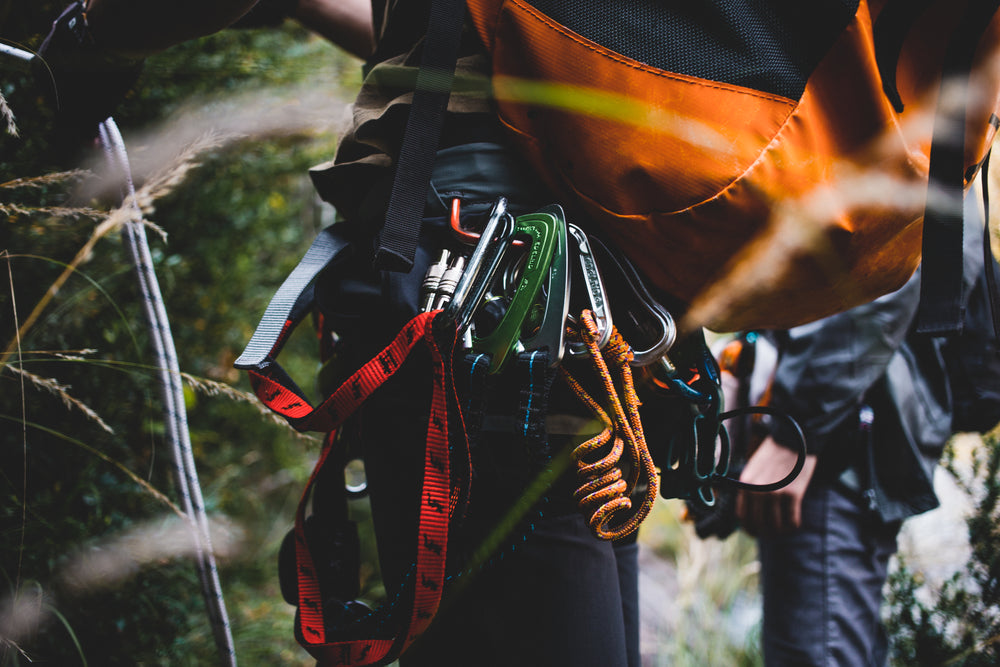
831 371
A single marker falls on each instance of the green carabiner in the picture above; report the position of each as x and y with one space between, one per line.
542 230
551 332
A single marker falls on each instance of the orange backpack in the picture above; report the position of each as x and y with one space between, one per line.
764 162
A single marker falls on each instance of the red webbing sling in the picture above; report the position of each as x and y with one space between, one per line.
438 494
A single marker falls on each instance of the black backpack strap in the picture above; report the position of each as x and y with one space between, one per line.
941 284
890 31
989 261
398 239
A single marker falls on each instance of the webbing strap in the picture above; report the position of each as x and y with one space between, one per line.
891 28
989 261
431 554
488 407
533 404
290 303
941 310
398 239
479 386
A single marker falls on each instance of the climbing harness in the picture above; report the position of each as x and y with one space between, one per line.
507 307
384 632
628 327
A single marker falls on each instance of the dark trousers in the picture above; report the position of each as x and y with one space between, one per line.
822 585
557 599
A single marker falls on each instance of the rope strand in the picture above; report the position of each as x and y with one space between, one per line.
173 398
605 493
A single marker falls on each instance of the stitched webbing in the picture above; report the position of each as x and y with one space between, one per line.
435 503
277 391
533 403
398 238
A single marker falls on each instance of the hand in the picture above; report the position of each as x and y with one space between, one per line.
774 511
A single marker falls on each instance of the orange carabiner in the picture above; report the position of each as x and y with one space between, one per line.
464 235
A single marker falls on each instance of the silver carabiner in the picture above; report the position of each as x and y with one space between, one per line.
641 320
596 295
481 267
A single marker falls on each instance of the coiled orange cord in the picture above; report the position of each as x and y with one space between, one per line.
604 493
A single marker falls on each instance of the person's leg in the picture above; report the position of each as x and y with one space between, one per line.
552 599
822 585
627 558
549 594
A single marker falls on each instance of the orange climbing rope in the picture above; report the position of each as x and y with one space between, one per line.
605 493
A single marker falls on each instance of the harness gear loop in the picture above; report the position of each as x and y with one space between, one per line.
604 493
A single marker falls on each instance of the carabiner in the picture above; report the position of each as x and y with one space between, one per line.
597 298
541 228
552 329
800 448
641 320
463 235
481 267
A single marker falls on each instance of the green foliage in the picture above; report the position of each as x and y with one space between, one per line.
713 616
84 466
960 623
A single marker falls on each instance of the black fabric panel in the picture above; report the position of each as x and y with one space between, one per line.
768 45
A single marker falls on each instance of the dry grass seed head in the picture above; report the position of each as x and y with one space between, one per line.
61 391
8 117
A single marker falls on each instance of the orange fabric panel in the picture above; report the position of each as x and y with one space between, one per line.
757 210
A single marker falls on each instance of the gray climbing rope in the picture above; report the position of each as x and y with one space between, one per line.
134 234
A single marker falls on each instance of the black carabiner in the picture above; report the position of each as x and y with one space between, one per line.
800 449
